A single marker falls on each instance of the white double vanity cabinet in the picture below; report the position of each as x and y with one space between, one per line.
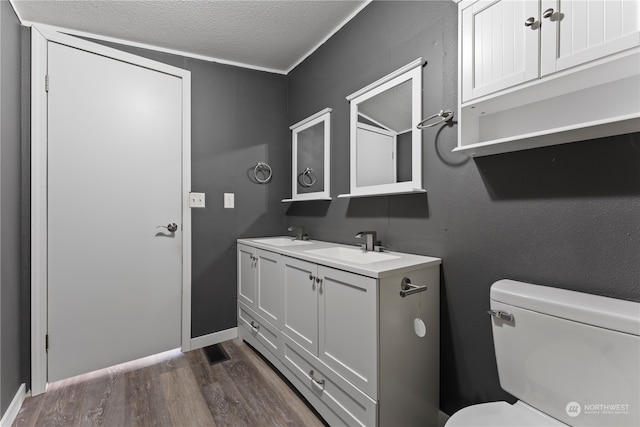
333 319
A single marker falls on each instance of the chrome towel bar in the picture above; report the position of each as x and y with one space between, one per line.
445 114
406 288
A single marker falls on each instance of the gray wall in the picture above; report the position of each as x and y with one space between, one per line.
238 118
564 216
10 152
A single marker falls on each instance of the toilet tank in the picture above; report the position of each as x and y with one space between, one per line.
573 356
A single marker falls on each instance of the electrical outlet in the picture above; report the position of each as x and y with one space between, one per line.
196 200
229 200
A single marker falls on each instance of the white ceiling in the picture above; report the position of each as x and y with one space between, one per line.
391 108
268 35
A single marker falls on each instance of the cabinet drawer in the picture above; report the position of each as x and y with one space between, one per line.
261 330
345 402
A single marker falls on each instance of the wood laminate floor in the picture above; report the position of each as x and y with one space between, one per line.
173 389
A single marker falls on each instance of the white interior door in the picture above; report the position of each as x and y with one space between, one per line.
114 175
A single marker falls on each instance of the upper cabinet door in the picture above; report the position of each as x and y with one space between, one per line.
498 49
579 31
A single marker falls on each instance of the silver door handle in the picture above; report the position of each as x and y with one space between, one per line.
529 22
172 227
547 13
499 314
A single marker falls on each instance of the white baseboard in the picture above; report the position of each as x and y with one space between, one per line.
214 338
442 418
12 411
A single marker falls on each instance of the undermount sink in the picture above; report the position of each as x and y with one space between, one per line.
281 241
356 256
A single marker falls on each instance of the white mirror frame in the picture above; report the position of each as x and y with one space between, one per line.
323 116
410 72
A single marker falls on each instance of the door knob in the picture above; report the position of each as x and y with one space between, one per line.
172 227
529 22
547 13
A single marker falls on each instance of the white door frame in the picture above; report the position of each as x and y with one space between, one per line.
40 35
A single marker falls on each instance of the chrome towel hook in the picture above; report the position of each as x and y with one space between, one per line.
445 114
266 171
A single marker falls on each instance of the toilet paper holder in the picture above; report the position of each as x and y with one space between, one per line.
406 288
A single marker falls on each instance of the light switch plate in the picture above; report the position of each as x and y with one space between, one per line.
196 200
229 200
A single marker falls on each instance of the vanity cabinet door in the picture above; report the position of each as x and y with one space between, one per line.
247 275
347 310
301 303
269 286
498 50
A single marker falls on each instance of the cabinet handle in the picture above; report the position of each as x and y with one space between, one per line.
320 382
547 13
318 280
254 326
529 22
312 277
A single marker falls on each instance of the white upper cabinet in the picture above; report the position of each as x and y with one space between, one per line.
498 50
575 32
542 72
506 42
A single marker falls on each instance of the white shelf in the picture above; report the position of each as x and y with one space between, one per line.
597 99
410 191
305 200
555 136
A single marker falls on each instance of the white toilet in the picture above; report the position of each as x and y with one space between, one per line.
570 358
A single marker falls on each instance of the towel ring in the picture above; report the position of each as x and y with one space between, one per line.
445 114
307 173
266 169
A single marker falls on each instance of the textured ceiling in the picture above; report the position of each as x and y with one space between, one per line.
267 34
391 108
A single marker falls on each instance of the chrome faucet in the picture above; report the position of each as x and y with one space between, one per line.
300 234
370 245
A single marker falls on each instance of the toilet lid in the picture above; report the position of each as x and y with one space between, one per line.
501 414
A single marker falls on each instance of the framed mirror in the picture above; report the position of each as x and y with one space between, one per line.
385 145
310 139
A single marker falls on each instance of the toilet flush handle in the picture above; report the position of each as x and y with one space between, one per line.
501 315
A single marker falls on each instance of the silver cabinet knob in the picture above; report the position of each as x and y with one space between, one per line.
547 13
529 22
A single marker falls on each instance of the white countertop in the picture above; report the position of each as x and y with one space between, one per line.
403 262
